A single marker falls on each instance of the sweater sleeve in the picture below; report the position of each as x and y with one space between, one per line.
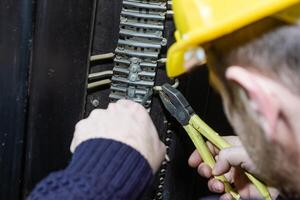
100 169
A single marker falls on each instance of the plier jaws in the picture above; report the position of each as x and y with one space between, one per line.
176 104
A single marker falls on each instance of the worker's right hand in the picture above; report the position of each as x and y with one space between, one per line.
126 122
230 162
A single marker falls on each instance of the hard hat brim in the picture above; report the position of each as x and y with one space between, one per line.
205 34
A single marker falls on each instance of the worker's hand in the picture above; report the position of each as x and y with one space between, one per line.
126 122
230 162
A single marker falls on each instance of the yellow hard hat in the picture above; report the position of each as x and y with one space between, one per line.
201 21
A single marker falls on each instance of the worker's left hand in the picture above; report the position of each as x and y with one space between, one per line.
127 122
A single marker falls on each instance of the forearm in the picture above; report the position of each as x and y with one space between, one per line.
100 169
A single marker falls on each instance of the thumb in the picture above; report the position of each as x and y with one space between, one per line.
232 157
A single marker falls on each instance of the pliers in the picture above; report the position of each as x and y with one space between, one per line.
180 109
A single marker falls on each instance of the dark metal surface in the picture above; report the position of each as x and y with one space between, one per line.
15 33
104 41
60 57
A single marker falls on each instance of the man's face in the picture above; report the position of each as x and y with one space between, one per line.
246 123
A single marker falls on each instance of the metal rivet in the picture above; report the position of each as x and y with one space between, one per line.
133 77
134 68
164 42
95 103
135 60
123 19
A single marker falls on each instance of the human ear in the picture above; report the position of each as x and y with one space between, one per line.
260 95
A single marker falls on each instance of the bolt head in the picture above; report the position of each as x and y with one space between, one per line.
135 60
134 68
95 103
164 42
133 77
123 19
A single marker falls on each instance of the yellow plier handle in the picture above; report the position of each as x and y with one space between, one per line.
220 143
207 157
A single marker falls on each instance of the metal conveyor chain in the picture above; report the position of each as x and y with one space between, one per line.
137 53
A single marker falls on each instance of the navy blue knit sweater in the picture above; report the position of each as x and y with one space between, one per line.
100 169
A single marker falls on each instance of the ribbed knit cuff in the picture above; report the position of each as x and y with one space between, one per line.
113 165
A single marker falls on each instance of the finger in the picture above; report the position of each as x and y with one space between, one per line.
233 156
72 147
222 165
133 108
204 170
95 113
212 148
194 159
111 106
125 103
273 192
230 175
226 196
233 140
216 186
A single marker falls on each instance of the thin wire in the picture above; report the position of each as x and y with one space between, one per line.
170 12
162 60
102 56
98 83
159 88
100 75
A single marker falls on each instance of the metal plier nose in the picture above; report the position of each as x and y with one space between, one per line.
176 104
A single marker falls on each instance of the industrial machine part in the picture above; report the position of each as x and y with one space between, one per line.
138 50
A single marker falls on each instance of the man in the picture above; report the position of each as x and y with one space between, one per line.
253 61
253 53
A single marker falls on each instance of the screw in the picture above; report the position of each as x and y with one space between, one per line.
164 42
95 103
133 77
134 68
131 92
135 60
158 33
123 19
